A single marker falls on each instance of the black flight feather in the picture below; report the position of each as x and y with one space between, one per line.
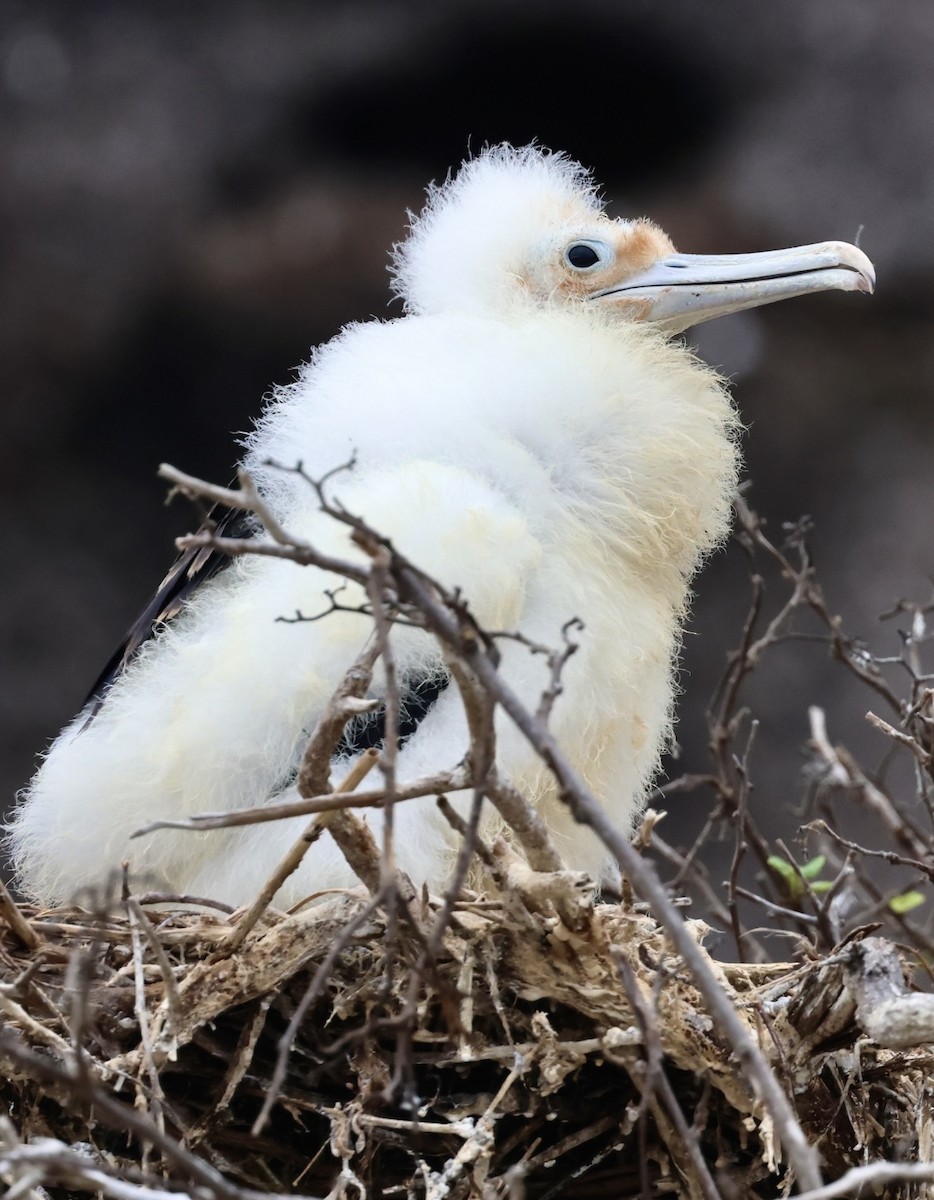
188 572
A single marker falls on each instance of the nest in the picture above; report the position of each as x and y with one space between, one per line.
519 1040
330 1053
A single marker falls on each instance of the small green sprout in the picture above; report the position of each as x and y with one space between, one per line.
794 878
905 902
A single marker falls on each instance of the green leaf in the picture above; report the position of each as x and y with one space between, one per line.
789 875
906 902
783 868
812 869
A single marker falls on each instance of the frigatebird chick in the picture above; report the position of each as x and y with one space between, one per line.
531 432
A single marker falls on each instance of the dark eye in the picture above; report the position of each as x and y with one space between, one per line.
584 255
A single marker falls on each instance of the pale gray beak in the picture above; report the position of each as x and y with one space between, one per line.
684 289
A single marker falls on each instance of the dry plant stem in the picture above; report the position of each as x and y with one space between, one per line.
527 825
482 850
480 757
355 840
416 982
242 1060
49 1162
557 660
479 709
547 881
560 1190
497 862
249 499
78 976
838 886
686 1140
245 1053
360 769
845 771
185 900
24 985
904 739
142 1017
779 910
118 1115
461 1129
741 823
10 913
312 992
728 782
686 863
352 835
572 1141
137 915
890 856
809 591
290 862
19 1016
859 1180
837 773
314 776
687 870
377 588
740 661
452 892
478 1144
427 785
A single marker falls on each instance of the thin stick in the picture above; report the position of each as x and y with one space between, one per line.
428 785
119 1115
290 862
173 1000
904 739
312 992
142 1019
9 912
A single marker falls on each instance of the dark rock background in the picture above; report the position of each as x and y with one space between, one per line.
193 195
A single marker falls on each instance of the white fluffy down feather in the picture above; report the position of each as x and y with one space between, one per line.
528 432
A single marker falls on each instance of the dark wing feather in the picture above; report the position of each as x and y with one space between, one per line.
419 695
189 571
195 567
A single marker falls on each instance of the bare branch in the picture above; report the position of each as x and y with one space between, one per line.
10 913
429 785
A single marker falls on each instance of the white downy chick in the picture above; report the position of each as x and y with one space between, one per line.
530 433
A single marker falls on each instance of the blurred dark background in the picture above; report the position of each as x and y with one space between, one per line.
193 195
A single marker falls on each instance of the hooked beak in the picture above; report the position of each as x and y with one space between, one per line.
684 289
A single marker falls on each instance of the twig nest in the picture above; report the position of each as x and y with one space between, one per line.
525 1050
